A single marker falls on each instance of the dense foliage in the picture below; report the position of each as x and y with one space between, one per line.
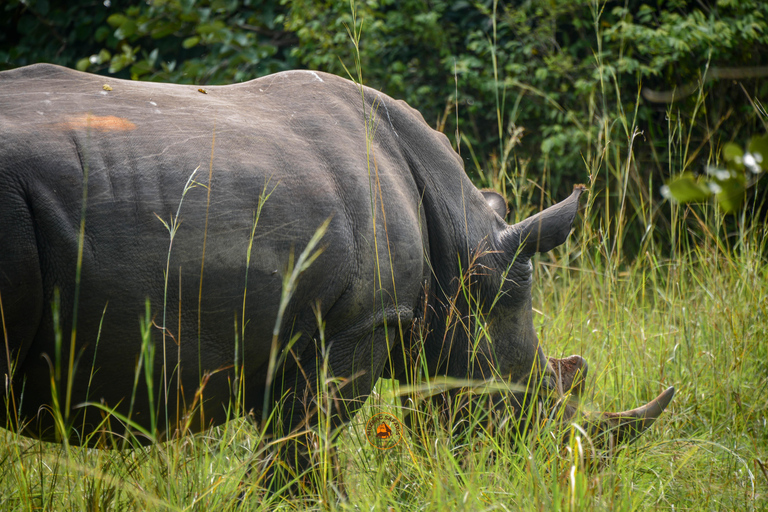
563 90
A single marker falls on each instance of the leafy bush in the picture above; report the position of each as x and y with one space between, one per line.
182 41
727 185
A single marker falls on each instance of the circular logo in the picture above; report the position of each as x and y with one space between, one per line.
383 431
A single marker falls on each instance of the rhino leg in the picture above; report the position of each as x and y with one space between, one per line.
345 378
21 296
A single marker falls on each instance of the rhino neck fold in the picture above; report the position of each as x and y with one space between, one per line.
460 235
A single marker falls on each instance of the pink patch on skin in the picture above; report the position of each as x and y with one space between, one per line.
97 123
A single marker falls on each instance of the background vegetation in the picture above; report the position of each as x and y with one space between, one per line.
536 95
543 77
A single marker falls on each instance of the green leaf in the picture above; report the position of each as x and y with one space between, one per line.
126 30
101 34
733 156
189 17
83 64
731 193
210 28
117 20
687 189
190 42
103 56
758 148
164 29
141 68
120 61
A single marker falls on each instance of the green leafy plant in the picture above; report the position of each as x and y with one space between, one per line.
728 184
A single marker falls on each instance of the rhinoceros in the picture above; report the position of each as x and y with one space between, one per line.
242 239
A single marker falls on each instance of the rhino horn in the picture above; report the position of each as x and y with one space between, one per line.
628 425
545 230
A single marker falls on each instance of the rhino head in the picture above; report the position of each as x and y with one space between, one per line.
511 351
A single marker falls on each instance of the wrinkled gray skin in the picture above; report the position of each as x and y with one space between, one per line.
405 221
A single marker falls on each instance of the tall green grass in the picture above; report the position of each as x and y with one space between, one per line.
698 321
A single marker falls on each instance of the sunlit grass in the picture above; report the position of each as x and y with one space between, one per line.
698 321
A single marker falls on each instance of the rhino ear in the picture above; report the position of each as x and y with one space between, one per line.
545 230
496 201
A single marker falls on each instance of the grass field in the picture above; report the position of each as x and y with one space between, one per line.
696 318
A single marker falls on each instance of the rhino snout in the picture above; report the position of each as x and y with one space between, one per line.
570 374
